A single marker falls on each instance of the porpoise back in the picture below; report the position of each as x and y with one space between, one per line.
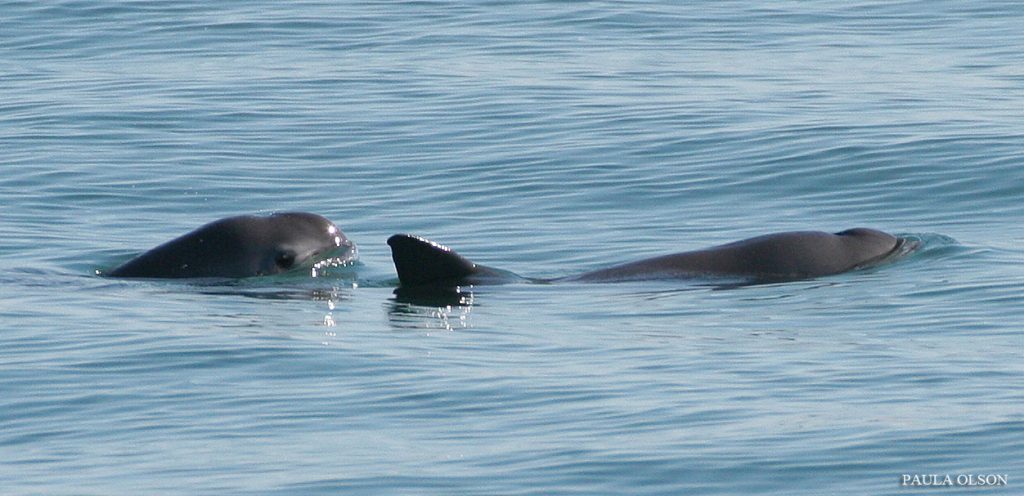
421 262
780 256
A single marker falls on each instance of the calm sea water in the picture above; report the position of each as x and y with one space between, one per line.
547 138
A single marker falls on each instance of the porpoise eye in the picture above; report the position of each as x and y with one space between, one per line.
285 260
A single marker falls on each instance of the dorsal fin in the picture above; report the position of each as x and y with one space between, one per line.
420 262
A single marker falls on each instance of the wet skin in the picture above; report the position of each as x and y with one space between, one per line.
780 256
242 246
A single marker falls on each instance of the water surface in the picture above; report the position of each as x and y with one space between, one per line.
548 138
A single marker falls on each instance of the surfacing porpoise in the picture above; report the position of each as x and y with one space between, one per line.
243 246
773 257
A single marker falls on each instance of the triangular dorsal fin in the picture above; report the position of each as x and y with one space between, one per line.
420 261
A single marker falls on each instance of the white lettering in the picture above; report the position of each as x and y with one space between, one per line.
948 480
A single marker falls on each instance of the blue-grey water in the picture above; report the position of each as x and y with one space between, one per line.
547 138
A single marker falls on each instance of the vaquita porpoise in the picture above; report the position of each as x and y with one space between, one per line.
243 246
772 257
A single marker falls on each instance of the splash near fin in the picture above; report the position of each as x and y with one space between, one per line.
422 262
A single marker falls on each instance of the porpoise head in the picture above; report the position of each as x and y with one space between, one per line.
295 238
244 246
870 245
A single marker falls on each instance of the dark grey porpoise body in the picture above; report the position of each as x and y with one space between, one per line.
242 246
772 257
